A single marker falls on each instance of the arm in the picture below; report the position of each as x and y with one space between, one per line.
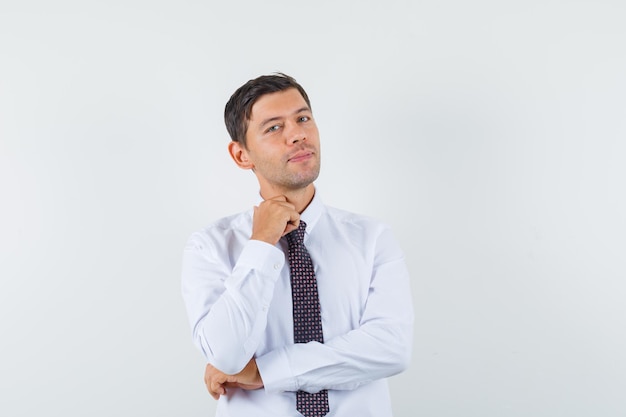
228 308
378 348
227 300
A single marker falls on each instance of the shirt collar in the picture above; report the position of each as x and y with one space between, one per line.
313 212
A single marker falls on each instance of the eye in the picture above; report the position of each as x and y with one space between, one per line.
304 118
273 128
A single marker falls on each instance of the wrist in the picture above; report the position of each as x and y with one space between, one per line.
263 238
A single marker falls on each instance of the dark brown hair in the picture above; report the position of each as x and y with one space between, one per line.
239 107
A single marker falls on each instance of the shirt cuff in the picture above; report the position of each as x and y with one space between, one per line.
275 372
267 260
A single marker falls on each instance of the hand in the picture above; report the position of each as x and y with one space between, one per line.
274 218
216 381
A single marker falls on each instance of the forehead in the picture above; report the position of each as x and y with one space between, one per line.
279 104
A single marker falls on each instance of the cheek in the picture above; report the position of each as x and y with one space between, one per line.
267 156
313 134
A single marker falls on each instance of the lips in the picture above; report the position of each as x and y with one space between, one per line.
300 156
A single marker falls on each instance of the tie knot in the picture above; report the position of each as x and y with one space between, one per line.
296 237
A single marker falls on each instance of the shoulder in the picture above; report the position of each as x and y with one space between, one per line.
368 234
222 231
349 218
356 224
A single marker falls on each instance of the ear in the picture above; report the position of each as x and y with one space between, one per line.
240 155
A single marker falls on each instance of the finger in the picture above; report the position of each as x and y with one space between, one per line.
209 373
290 228
278 198
216 390
213 394
293 223
294 218
278 203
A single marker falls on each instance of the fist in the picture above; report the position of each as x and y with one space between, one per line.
274 218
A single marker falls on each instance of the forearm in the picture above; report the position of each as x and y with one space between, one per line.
360 356
228 308
380 346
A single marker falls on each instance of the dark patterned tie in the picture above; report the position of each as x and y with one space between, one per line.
307 320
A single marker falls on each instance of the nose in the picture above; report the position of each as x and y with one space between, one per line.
295 133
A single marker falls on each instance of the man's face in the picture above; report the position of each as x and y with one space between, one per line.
283 143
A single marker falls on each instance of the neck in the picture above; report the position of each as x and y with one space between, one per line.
300 198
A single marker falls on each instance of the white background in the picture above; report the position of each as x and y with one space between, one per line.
489 134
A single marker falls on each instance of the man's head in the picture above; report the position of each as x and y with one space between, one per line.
239 108
274 134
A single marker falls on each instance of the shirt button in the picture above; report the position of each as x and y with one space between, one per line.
276 266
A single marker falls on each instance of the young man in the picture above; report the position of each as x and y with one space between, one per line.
292 327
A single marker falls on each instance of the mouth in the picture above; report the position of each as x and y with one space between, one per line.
300 156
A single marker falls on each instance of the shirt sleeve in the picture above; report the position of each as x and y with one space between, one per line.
378 348
227 306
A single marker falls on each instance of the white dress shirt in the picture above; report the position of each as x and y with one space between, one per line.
238 297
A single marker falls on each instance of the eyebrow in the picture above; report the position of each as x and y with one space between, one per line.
273 119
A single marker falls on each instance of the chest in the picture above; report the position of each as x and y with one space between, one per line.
343 274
